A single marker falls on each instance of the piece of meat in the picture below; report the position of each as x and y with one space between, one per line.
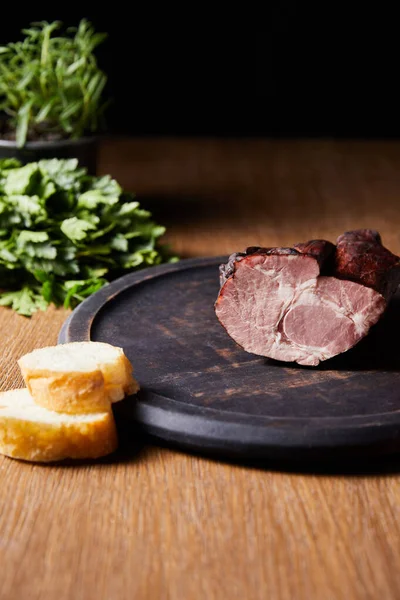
310 302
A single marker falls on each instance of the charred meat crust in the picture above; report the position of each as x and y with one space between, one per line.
360 257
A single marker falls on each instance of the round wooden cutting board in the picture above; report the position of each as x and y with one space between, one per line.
201 391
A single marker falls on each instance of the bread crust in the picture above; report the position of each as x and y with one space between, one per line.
24 438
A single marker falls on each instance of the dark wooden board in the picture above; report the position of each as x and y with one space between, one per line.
201 391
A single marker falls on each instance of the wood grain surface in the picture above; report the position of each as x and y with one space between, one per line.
157 524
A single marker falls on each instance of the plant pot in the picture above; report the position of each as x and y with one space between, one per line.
84 149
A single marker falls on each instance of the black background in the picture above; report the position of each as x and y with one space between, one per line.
283 70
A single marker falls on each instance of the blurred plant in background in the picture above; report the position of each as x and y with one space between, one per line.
65 234
50 85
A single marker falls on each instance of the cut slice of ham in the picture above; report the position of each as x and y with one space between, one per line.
310 302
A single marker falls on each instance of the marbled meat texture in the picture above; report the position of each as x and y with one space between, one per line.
310 302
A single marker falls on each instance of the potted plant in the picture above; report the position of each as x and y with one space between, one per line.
51 91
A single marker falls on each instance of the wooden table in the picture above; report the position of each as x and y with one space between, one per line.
165 525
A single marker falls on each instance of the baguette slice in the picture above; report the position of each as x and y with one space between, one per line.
33 433
78 377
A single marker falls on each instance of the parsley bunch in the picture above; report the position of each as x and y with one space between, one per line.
65 234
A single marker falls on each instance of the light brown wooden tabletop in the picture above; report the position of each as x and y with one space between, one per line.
165 525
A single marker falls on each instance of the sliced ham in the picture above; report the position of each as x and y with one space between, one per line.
307 303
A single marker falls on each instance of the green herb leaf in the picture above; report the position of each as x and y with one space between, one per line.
25 301
18 180
93 198
76 229
23 118
45 110
35 237
120 243
29 207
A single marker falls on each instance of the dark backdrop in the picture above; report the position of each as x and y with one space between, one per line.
280 71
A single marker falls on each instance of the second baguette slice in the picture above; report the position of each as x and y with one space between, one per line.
78 377
30 432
